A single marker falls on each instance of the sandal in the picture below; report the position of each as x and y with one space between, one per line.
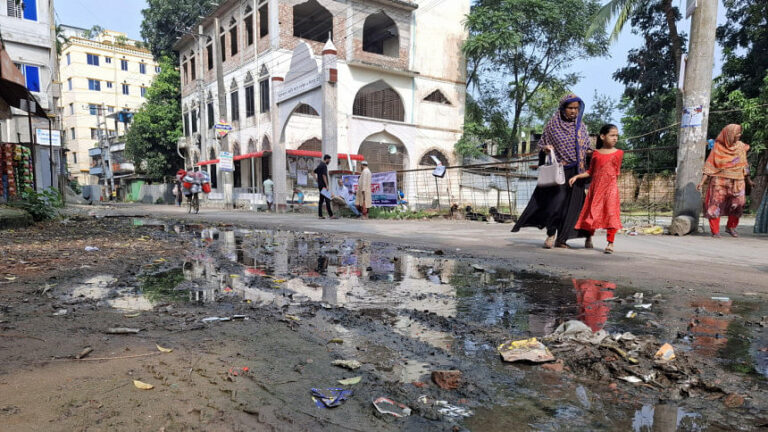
588 243
562 245
549 242
732 232
609 249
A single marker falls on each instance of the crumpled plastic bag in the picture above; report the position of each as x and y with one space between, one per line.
330 398
525 350
575 330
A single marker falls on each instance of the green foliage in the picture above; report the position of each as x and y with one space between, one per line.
600 113
622 10
750 113
160 287
156 127
517 48
398 214
40 205
744 38
75 185
165 19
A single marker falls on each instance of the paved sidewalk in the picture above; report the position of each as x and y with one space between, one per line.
726 265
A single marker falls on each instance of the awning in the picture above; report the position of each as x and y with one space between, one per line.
13 88
318 155
237 158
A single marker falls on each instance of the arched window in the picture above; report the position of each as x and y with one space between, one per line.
379 100
312 21
306 110
265 145
429 158
252 146
438 97
380 35
312 144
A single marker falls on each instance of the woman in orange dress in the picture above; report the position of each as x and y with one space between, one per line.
602 208
728 171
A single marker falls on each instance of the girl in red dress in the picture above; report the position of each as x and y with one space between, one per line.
602 208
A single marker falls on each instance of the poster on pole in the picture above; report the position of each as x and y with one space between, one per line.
383 187
44 138
692 116
226 161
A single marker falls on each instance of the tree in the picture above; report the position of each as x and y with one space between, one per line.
650 95
61 40
745 43
600 113
517 48
151 140
165 20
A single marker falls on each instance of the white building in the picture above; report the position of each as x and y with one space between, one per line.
28 33
389 85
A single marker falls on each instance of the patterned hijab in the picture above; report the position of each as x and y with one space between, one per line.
728 157
569 138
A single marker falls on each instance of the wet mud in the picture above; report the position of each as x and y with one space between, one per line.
256 318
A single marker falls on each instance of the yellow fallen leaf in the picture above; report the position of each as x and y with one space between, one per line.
293 317
165 350
350 381
336 341
234 276
142 385
10 278
279 280
159 260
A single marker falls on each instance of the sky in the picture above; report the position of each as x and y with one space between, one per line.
125 16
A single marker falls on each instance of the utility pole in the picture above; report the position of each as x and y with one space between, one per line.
692 140
226 176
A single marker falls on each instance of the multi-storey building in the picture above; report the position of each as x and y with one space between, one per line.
28 37
101 75
379 79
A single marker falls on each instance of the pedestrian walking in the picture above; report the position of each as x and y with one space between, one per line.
363 198
602 207
727 170
178 193
269 192
321 177
557 208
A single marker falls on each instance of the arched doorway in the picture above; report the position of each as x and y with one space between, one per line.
212 171
239 166
385 152
428 159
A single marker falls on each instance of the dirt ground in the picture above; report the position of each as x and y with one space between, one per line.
295 301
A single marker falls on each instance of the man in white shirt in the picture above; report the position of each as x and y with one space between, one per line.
269 187
342 197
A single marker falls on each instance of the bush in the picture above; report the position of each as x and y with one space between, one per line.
75 185
40 205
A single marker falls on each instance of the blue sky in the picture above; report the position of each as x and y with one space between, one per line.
125 16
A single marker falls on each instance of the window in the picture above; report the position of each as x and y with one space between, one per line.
94 85
74 157
306 110
158 69
209 54
264 93
192 68
249 30
380 35
379 100
185 118
263 20
69 83
312 21
438 97
32 76
143 92
108 60
142 68
233 40
93 109
72 133
30 10
124 65
194 121
110 109
69 59
223 45
94 133
209 109
250 103
93 59
14 10
185 71
109 84
234 101
71 108
126 89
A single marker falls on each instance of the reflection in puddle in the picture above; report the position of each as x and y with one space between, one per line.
663 418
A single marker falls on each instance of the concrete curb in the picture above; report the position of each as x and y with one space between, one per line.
14 218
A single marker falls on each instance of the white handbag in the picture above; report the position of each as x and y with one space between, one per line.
551 173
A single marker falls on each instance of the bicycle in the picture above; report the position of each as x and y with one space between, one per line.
194 203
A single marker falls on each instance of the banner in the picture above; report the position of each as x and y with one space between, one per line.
226 161
43 138
383 187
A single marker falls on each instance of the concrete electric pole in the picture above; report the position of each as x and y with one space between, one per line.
696 98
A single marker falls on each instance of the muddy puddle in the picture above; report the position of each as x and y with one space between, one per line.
406 312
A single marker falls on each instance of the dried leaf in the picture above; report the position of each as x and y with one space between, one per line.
142 385
336 341
165 350
350 381
293 317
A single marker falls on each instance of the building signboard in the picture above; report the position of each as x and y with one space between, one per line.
44 138
293 89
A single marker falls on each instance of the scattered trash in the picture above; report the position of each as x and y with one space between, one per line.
239 317
388 406
350 381
447 379
347 364
292 317
238 371
142 385
666 352
575 330
330 398
644 306
60 312
84 353
722 299
336 341
215 319
478 268
122 330
525 350
165 350
733 400
631 314
453 411
654 230
133 315
631 379
91 249
638 295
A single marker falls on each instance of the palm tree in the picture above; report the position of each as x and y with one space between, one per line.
60 39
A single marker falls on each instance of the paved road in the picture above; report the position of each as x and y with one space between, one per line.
726 265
